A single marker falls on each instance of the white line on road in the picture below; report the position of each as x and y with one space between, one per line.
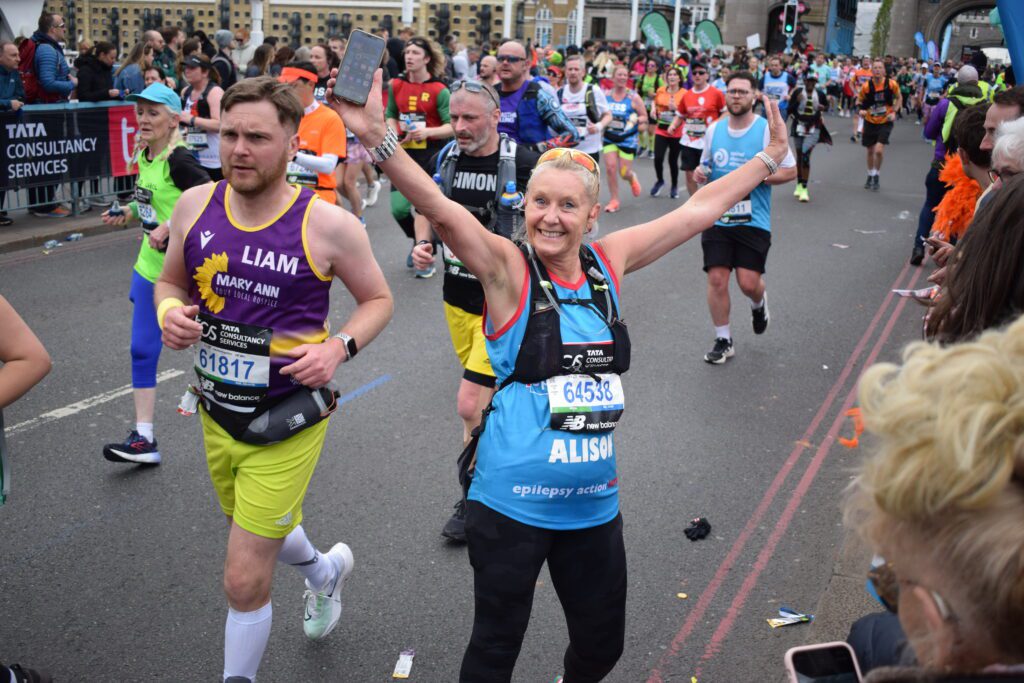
84 404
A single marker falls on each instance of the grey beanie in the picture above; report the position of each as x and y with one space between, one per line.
223 38
967 74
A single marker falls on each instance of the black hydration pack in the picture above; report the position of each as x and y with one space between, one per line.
497 216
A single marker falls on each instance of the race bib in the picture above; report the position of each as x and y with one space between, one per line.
666 118
453 266
196 139
147 214
301 175
741 212
879 110
581 403
411 122
695 128
801 128
617 125
232 361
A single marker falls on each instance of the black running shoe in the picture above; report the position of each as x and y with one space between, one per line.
720 352
136 448
455 529
874 183
917 256
24 675
760 316
868 183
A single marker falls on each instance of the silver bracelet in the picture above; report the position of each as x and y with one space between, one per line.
385 149
773 167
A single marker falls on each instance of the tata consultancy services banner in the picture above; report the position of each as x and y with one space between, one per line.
50 144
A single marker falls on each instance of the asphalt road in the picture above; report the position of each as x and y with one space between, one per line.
112 572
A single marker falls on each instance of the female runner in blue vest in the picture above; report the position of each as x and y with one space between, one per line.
545 487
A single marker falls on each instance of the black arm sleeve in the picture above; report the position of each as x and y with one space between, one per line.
185 169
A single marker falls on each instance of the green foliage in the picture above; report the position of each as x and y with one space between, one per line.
881 29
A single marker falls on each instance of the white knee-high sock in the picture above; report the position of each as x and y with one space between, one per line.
245 639
298 552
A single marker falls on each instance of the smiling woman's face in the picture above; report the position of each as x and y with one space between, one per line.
559 211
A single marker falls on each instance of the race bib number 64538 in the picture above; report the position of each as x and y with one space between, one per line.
581 403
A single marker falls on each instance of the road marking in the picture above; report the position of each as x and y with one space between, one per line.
804 485
369 386
85 404
709 593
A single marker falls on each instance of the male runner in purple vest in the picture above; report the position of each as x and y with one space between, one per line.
254 258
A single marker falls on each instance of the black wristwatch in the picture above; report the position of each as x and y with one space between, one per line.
350 345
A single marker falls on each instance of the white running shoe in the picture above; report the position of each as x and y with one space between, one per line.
323 608
372 192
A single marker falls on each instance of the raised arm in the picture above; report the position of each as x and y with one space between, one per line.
641 245
490 257
24 360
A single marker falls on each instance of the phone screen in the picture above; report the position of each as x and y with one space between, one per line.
825 665
361 60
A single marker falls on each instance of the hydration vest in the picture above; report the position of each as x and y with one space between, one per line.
959 100
589 101
501 217
529 128
541 354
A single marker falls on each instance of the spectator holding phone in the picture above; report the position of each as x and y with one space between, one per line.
942 500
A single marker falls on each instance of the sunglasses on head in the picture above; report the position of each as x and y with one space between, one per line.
581 158
475 87
511 59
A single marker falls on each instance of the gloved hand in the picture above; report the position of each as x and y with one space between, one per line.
559 141
698 529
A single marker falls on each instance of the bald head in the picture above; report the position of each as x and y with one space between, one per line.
513 67
155 39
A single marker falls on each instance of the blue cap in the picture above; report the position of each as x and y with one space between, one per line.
160 94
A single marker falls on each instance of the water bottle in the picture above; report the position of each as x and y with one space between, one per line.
510 201
51 244
705 170
74 237
407 123
115 209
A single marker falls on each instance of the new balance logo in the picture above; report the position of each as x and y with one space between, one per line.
574 423
205 237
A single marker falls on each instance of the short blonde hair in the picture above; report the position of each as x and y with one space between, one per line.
591 181
948 474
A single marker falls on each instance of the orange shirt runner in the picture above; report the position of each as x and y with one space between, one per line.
878 100
321 131
666 105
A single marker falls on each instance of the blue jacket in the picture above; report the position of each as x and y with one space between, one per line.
11 88
52 69
130 80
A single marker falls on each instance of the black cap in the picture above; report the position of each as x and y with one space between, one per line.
193 60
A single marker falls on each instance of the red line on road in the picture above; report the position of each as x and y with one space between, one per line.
765 556
709 593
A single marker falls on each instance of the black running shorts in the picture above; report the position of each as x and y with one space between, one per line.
738 246
689 157
876 133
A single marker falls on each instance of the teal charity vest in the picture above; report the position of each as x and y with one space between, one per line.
526 470
729 153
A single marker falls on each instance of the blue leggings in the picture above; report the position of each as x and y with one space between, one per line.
145 333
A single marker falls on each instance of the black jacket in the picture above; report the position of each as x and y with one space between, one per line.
94 79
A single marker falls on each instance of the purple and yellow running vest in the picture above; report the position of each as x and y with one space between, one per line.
259 295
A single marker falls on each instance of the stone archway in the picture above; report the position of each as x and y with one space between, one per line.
945 12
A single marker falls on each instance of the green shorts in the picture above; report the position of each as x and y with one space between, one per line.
262 487
626 153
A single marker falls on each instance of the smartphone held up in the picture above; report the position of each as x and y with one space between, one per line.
362 58
823 663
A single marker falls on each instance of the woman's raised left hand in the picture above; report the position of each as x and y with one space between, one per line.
778 144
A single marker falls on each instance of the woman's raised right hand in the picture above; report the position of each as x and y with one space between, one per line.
366 122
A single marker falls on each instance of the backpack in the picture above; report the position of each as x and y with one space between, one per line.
502 217
34 93
232 70
588 101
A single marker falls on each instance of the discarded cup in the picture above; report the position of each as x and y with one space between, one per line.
51 244
74 237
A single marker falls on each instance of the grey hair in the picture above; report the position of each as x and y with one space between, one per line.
1010 142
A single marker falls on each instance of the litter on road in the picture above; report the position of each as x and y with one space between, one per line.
699 528
404 665
788 617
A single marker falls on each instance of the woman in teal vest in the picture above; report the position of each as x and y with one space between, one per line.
545 488
166 169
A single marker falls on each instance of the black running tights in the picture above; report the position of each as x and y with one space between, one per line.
803 163
661 144
588 571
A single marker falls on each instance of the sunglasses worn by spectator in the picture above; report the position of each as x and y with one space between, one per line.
994 175
887 586
511 59
700 72
581 158
475 87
